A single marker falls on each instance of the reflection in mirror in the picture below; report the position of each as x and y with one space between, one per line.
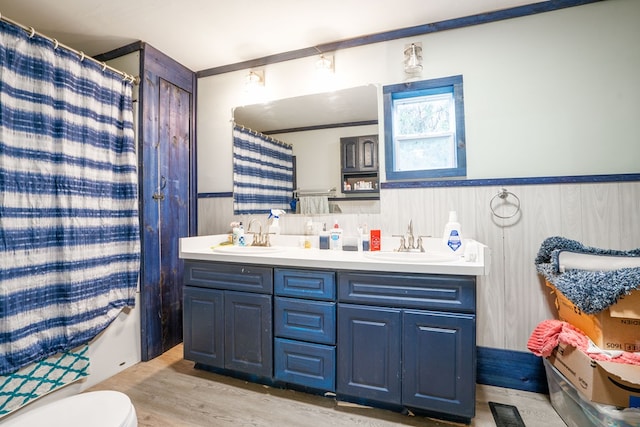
314 126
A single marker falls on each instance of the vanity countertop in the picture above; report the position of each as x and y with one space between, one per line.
286 252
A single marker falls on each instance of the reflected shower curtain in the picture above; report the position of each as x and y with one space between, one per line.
262 173
69 233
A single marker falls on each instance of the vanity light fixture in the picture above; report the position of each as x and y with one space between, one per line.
254 79
325 64
413 59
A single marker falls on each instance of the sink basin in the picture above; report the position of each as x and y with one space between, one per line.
248 250
413 257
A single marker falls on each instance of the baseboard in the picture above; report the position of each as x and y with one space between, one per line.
511 369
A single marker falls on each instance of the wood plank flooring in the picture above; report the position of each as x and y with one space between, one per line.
168 391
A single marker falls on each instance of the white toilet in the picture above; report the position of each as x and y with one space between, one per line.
96 409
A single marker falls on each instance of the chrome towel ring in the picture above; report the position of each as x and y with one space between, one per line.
503 195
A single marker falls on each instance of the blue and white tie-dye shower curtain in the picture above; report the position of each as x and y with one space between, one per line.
262 172
69 228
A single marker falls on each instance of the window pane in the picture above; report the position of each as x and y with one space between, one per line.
424 129
424 115
425 153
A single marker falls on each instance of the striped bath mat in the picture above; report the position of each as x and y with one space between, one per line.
41 378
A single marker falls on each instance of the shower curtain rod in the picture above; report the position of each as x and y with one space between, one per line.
32 32
255 132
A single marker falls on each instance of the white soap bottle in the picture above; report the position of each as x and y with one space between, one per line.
452 235
241 241
335 237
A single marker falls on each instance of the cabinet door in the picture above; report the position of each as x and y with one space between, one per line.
369 353
368 150
204 326
439 362
350 154
248 333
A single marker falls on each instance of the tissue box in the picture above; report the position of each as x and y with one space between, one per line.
609 383
616 328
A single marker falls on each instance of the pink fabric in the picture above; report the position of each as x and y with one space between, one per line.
549 333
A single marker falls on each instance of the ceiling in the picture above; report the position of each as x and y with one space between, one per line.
203 34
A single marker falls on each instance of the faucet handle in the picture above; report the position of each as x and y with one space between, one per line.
403 245
420 245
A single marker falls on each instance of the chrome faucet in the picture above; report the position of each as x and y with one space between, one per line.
260 238
408 242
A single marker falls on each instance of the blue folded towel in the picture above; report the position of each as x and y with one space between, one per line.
590 291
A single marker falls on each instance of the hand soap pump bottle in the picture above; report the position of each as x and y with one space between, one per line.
335 237
452 235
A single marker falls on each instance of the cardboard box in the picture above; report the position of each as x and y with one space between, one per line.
616 328
609 383
576 411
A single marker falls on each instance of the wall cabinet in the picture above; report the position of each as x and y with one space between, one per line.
228 317
359 161
396 339
408 340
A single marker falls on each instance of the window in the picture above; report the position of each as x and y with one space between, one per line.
424 129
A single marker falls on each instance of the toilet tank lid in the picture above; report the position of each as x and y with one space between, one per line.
104 408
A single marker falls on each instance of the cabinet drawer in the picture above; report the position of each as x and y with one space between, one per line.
234 277
305 284
305 364
433 292
305 320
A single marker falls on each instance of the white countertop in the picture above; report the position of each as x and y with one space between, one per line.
287 252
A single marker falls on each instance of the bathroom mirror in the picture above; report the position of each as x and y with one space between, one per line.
313 125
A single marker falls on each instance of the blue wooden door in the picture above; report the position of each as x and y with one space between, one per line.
167 196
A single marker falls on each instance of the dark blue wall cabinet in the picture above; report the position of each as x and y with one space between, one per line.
387 339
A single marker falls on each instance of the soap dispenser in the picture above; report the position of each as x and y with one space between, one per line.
452 235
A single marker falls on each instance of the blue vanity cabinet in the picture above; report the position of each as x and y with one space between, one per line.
203 320
409 340
305 328
228 316
369 353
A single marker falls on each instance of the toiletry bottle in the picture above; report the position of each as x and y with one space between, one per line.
308 232
336 237
241 241
324 237
452 235
375 241
274 216
365 238
235 233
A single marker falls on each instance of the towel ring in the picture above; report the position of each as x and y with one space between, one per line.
503 194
